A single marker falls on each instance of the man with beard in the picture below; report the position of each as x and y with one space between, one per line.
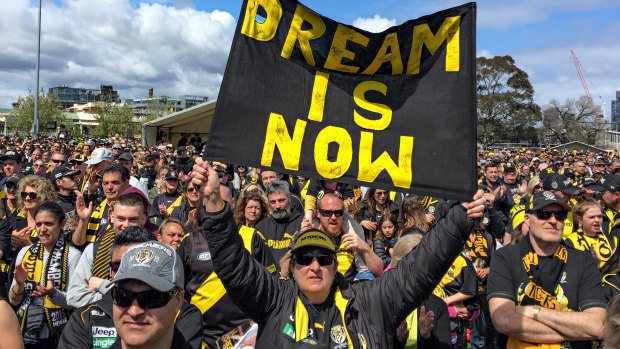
283 224
149 172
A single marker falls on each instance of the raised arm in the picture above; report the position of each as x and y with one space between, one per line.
248 283
404 288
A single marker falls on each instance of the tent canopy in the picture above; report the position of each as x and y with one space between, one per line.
580 146
196 119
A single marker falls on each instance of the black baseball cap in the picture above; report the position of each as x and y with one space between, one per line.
610 182
509 167
543 198
11 155
63 171
558 182
171 175
125 156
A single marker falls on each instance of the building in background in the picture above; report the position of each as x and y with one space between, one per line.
615 112
69 96
155 107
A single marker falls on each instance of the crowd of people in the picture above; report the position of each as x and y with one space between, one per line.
105 243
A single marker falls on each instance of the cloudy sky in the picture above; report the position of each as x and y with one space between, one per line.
180 47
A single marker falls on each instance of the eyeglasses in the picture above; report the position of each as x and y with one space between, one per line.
149 167
546 214
191 189
329 213
62 162
30 195
114 265
151 299
381 193
308 257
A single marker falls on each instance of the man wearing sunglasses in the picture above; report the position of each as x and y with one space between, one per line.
355 257
319 305
539 290
66 184
93 326
56 160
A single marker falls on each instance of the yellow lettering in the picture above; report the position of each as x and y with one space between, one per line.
319 90
261 31
369 170
360 100
296 34
335 169
422 35
391 42
338 50
278 136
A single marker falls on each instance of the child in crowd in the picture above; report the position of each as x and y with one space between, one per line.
386 238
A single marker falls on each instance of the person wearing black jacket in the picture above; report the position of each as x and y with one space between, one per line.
360 315
284 222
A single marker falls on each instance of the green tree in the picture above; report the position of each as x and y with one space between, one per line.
573 120
114 119
21 118
506 108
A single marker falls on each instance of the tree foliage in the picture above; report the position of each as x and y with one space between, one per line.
114 119
506 108
21 117
573 120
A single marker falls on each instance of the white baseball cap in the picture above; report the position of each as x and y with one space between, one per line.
98 155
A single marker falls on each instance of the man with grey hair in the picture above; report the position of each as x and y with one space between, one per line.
284 222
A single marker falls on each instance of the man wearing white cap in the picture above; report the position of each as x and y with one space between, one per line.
99 159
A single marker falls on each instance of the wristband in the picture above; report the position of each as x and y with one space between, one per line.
536 311
17 294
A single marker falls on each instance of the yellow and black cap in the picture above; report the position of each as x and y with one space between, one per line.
542 199
314 238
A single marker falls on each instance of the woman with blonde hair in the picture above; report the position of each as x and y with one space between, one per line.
32 191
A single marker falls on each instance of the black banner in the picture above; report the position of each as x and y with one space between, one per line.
309 96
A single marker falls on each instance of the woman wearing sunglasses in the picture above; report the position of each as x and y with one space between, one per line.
318 305
41 279
31 192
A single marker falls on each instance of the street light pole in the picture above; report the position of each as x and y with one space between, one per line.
35 124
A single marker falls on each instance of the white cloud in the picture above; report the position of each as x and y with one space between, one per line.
174 49
484 53
375 24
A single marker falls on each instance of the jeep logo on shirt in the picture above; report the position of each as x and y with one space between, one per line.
104 331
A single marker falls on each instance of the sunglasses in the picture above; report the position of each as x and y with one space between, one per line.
307 258
32 196
151 299
329 213
191 189
114 265
62 162
10 185
546 214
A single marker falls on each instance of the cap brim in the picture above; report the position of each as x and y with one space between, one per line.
570 190
564 206
157 283
595 187
93 162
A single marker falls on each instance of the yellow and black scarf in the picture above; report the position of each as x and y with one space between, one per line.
543 288
102 250
604 245
54 267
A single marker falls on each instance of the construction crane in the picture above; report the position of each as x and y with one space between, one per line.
585 86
